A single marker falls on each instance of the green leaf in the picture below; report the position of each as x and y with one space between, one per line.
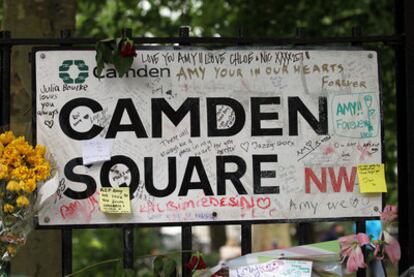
119 270
170 267
122 64
158 265
99 65
99 58
129 272
105 51
199 272
108 54
118 43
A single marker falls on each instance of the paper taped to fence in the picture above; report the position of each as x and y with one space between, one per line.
204 136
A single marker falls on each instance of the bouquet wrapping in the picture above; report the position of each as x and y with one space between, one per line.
22 168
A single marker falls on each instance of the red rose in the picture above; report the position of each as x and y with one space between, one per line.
128 49
196 262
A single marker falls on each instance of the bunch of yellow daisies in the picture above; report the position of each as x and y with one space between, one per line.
21 167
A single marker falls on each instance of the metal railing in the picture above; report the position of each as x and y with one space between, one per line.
397 41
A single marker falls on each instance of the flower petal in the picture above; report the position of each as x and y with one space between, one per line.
346 240
392 248
346 244
362 239
389 214
355 260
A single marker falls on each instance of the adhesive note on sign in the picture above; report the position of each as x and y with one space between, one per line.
274 268
114 200
96 150
371 178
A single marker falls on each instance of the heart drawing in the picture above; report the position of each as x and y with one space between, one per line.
245 146
263 202
49 123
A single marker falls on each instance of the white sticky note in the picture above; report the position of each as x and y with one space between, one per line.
96 150
272 268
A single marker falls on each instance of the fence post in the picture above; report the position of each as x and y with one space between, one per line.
128 232
66 251
360 224
246 228
5 83
128 251
186 230
404 22
186 247
246 238
66 232
5 104
304 232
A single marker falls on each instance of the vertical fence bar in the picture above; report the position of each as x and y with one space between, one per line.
186 247
356 32
66 232
359 225
246 238
66 251
128 232
127 32
184 34
404 22
128 251
5 83
5 104
304 230
186 230
65 34
246 228
360 228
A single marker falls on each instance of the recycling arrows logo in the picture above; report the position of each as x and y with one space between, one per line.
64 71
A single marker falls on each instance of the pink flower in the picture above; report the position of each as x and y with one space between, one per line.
351 249
389 213
355 260
387 246
391 248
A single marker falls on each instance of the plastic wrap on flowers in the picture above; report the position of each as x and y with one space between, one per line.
22 167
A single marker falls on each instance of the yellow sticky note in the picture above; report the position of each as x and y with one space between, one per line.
371 178
114 200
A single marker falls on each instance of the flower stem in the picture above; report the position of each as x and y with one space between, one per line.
94 265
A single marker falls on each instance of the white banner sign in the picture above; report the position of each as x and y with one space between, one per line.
224 135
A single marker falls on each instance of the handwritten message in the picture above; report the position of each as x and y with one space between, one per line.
114 200
356 115
371 178
281 268
96 150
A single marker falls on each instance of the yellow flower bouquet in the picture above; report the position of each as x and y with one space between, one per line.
22 167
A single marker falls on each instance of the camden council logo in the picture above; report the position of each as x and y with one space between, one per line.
70 76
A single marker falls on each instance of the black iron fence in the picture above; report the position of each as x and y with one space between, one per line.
402 42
